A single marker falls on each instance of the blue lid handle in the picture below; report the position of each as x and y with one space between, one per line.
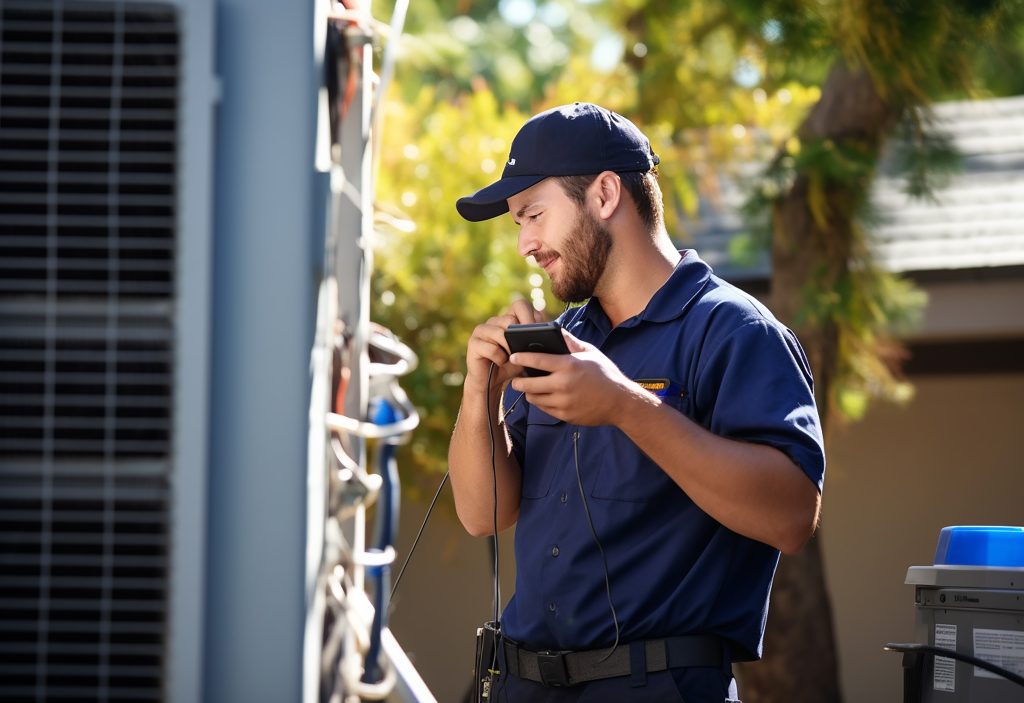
980 545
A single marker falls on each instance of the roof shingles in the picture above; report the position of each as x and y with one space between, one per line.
976 221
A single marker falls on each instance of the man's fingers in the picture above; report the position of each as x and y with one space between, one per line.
495 354
494 330
538 392
538 360
523 312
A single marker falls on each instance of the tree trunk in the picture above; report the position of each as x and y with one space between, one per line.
800 655
800 661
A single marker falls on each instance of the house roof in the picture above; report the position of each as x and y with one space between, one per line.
974 222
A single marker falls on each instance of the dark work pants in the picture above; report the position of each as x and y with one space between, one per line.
684 685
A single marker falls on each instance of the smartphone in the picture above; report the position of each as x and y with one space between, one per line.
542 337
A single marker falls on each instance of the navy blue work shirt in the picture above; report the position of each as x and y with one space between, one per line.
719 357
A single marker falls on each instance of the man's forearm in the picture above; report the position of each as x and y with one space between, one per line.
469 465
752 489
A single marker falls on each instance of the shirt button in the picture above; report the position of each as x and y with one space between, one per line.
554 551
565 496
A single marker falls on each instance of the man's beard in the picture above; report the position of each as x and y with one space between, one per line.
584 259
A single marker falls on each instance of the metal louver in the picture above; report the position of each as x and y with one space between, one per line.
88 140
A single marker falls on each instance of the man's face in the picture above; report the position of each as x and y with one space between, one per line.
567 240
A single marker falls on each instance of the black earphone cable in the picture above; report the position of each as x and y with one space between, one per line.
494 537
593 533
494 486
430 510
419 533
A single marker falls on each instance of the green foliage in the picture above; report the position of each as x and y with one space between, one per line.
713 64
460 47
925 156
432 285
996 63
919 52
846 294
870 308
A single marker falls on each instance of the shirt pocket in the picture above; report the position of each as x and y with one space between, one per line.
546 438
626 474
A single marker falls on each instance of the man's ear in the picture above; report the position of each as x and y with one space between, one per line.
606 191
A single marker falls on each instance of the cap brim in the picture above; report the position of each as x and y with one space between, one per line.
492 201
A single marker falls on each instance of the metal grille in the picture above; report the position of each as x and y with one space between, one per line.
88 140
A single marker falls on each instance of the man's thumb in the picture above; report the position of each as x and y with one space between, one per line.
575 345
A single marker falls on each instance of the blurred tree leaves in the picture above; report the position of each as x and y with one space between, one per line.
460 46
438 276
468 79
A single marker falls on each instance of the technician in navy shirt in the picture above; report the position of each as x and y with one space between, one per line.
657 472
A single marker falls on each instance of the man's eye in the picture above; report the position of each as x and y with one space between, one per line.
534 217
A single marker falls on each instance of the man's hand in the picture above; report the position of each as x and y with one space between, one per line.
584 387
487 345
472 448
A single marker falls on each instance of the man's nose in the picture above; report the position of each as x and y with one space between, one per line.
528 242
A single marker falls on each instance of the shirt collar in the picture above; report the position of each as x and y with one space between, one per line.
670 301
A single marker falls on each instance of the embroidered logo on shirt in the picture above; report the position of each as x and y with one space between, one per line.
661 387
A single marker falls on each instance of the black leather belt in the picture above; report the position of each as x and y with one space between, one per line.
571 668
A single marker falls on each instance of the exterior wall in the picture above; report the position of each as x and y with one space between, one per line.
973 307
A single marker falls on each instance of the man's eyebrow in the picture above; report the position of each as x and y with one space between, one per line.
519 213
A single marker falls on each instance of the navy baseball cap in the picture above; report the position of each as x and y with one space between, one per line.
570 140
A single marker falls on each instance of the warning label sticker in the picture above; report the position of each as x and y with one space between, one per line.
944 677
1004 648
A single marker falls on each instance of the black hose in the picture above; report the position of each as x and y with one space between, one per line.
940 652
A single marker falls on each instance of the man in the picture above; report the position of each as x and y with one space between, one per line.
658 470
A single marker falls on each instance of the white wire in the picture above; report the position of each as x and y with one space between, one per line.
352 607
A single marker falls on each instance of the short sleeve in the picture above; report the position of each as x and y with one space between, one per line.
756 386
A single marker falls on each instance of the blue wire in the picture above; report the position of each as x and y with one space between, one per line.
386 529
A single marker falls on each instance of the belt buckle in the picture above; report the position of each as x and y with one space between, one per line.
552 668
